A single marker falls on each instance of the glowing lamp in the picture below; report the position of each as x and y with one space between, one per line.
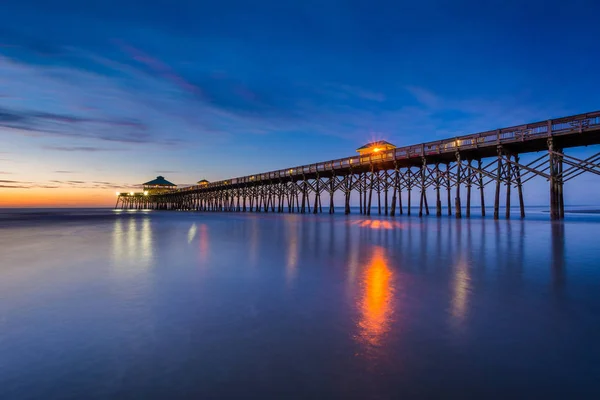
376 149
118 193
145 193
131 193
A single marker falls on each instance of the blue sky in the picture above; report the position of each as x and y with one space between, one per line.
113 93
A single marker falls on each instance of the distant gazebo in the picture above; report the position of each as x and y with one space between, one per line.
159 185
203 182
375 147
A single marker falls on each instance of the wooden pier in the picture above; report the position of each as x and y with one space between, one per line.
450 167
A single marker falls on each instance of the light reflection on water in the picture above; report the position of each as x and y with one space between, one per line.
292 253
132 242
460 290
173 305
376 303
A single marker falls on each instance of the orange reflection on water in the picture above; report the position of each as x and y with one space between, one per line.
376 304
377 224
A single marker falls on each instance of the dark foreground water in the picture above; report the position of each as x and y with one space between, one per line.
136 305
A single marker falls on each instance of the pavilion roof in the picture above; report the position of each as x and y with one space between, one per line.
159 181
374 144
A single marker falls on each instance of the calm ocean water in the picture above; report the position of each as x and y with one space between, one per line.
98 304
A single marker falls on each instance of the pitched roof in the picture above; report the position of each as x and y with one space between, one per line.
159 181
203 181
373 144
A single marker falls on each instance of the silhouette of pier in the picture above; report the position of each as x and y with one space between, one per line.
447 166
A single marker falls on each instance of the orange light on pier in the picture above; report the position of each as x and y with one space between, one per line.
375 147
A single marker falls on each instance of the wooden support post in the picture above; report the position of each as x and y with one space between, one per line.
303 208
370 193
400 196
348 186
386 188
364 193
421 200
360 195
320 204
481 194
378 195
458 210
409 188
498 181
508 171
556 190
561 199
519 186
438 199
448 184
331 192
469 183
395 191
316 207
267 201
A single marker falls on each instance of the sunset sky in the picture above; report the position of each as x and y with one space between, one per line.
101 96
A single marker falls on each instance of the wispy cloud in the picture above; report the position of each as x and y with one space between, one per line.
65 172
12 184
424 96
89 149
139 99
13 187
71 184
159 68
11 181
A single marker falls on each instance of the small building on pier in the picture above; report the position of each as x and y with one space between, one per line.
203 182
158 185
375 147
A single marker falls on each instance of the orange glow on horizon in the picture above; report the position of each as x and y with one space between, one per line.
376 305
56 197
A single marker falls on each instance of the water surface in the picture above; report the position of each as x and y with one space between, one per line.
103 304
